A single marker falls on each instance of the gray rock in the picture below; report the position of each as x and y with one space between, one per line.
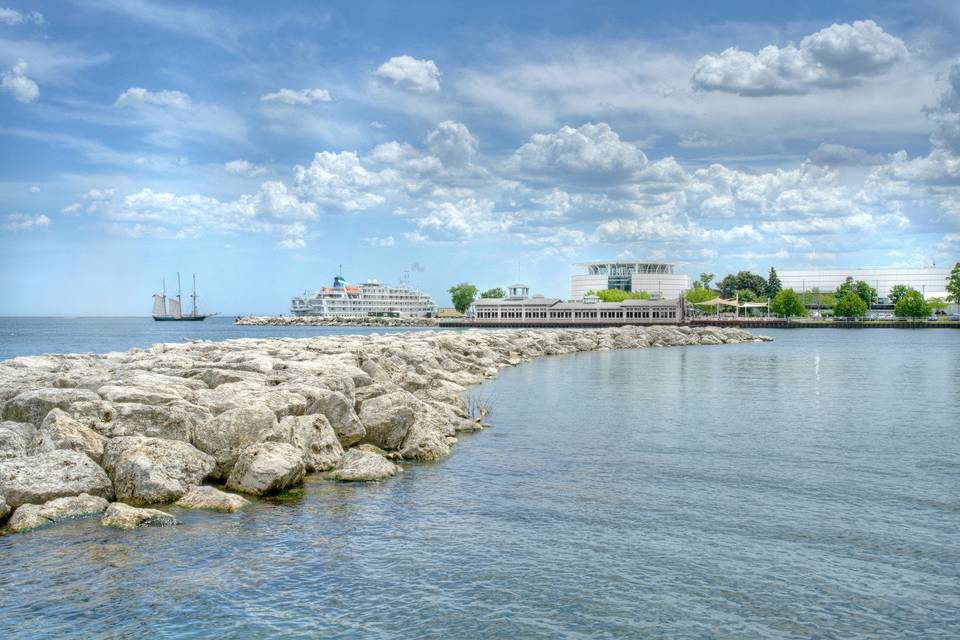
33 406
387 418
200 497
42 477
17 439
60 431
123 516
363 466
425 441
314 436
171 422
339 411
265 468
4 509
152 470
31 516
225 435
137 395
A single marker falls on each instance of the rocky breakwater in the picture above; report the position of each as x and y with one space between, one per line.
110 434
318 321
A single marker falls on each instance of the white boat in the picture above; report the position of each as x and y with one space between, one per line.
368 299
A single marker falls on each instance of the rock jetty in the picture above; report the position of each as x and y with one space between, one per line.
317 321
84 434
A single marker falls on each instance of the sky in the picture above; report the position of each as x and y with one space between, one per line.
265 146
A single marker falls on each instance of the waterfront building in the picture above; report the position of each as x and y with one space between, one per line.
659 279
368 299
931 281
519 308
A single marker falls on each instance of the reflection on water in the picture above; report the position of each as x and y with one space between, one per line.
722 492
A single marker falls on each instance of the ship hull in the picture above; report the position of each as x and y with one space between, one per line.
180 319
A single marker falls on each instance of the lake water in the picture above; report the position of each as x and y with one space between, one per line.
808 487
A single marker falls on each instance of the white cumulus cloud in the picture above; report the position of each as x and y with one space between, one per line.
452 142
25 222
837 56
138 96
291 244
16 82
292 96
14 17
244 168
590 149
411 73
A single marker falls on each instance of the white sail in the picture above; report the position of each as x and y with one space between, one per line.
174 307
159 305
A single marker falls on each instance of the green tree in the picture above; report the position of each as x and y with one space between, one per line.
937 304
496 292
705 279
617 295
788 303
773 284
953 284
746 295
897 291
743 280
867 293
462 295
911 305
700 294
850 305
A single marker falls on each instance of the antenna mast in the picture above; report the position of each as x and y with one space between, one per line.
178 287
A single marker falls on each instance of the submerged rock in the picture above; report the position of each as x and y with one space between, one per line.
266 467
31 516
40 478
200 497
123 516
152 470
364 466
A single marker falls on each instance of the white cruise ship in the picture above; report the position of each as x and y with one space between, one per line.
368 299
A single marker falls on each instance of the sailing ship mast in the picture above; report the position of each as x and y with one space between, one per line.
193 296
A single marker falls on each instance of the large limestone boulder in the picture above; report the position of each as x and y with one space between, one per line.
17 439
174 421
60 431
265 468
201 497
4 509
31 516
316 439
138 395
33 406
42 477
153 470
225 435
284 403
387 418
338 409
426 440
123 516
364 466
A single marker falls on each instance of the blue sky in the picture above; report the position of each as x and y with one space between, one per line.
262 145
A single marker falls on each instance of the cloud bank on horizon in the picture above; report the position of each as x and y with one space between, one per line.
299 139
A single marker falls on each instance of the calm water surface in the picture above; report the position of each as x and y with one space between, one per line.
808 487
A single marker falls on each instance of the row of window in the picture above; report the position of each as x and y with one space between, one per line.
618 314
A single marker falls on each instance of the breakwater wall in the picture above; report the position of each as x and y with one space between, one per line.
199 423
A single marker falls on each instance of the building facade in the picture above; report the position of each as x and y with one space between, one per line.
518 308
931 281
659 279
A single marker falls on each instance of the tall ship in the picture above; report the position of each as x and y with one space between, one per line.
170 309
368 299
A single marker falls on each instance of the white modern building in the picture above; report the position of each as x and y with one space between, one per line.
931 281
659 279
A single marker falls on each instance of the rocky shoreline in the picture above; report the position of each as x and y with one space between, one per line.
112 434
317 321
